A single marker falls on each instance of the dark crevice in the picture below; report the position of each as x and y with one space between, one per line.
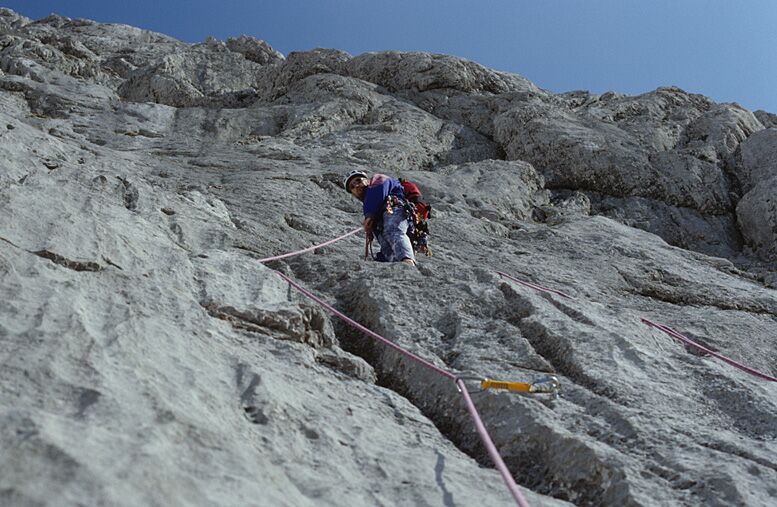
690 300
439 468
554 349
87 397
70 264
256 415
440 403
235 318
570 312
253 252
10 243
111 263
299 223
131 195
727 448
306 325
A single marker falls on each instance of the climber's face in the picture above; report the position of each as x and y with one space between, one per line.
357 187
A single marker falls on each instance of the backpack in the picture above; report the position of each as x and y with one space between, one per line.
419 214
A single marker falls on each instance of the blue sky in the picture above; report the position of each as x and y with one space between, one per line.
726 50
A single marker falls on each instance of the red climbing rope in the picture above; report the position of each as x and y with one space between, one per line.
310 249
534 285
674 334
479 426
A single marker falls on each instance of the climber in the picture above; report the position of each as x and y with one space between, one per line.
386 216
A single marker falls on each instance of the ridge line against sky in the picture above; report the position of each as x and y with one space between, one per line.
724 50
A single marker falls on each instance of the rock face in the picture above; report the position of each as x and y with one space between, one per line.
147 358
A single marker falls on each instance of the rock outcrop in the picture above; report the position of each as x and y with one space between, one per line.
147 358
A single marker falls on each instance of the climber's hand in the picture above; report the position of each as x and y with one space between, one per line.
368 225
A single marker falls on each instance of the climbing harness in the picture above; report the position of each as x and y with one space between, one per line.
417 215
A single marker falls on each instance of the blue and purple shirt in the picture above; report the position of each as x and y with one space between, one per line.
378 189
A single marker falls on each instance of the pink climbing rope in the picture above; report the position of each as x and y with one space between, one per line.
473 412
674 334
490 447
534 285
310 249
461 386
358 326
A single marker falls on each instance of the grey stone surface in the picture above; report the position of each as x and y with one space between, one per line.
766 118
276 79
755 173
757 216
253 49
756 160
724 127
189 78
395 71
147 358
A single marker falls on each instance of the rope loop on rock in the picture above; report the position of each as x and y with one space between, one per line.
365 330
674 334
310 249
534 286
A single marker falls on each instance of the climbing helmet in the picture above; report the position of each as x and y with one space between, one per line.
352 174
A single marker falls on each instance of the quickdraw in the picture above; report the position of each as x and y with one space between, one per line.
545 384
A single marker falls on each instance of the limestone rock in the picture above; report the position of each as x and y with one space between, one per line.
757 216
756 159
494 189
769 120
611 149
27 57
715 235
10 20
724 126
565 208
187 79
351 119
151 359
253 49
656 120
397 71
572 152
275 80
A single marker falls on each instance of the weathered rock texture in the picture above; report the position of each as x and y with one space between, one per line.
147 359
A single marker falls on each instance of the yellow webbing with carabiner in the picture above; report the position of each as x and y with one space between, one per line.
520 387
544 384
